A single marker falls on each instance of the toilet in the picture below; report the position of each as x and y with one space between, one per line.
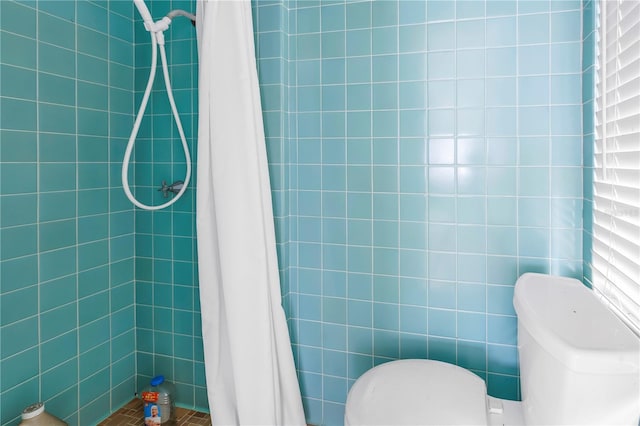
579 364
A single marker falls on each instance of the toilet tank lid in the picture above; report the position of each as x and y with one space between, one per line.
565 317
417 392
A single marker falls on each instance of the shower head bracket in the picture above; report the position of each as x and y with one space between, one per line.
158 26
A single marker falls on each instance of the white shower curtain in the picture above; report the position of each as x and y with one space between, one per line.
251 378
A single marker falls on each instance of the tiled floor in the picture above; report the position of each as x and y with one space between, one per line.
131 415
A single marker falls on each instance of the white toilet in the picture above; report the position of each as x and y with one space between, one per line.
579 364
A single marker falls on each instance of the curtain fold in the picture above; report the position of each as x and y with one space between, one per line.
250 372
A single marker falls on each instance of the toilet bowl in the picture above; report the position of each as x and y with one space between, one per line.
406 392
579 364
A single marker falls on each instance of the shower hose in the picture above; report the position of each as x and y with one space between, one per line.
157 42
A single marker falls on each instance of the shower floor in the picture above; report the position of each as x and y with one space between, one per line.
131 414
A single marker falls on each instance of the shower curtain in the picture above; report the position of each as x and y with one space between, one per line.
251 378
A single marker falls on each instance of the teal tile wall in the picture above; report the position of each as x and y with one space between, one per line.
271 24
435 155
168 334
417 169
66 229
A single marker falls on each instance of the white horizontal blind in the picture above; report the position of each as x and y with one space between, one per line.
616 201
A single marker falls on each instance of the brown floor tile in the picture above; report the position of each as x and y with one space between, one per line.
131 415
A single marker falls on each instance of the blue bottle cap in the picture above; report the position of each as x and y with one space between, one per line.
157 380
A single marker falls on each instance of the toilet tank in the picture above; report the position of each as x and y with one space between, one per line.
579 363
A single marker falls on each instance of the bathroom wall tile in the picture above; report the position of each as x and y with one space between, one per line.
565 26
18 50
60 378
501 181
500 31
334 336
92 16
533 90
441 323
18 273
20 368
440 36
409 13
122 372
501 386
470 34
56 60
471 297
565 58
17 82
18 210
413 319
92 387
442 349
441 208
59 349
385 316
502 359
471 210
57 147
500 8
19 305
500 300
501 61
533 29
471 355
19 19
501 122
18 336
17 114
534 211
54 235
57 293
335 363
93 307
310 333
56 31
58 321
18 146
443 64
413 346
501 329
18 241
471 326
472 267
564 120
385 345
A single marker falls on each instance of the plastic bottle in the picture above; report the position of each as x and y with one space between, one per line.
159 403
34 415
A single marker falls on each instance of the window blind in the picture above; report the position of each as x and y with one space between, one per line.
616 199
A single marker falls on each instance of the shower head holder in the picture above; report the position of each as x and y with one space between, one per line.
159 26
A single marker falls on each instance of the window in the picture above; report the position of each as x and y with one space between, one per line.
616 198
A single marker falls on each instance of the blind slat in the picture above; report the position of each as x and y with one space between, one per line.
615 256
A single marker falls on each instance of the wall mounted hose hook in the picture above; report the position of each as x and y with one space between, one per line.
156 31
